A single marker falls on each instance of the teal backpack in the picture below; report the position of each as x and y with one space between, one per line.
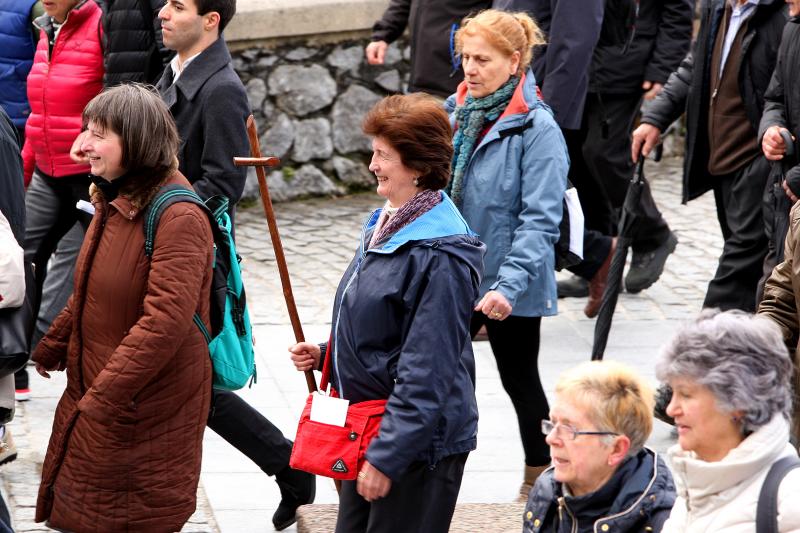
230 341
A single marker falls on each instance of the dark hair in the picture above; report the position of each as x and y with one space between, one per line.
418 128
225 8
137 114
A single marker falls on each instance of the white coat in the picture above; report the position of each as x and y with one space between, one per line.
722 496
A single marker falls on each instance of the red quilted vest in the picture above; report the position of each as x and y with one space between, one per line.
59 88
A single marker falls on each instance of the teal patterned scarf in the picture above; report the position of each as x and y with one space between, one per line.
471 119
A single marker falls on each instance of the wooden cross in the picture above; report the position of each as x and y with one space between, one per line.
260 162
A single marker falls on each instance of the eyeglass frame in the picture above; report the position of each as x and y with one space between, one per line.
575 432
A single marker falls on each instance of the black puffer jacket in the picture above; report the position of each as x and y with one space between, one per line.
661 38
637 498
12 190
431 23
400 330
688 89
134 49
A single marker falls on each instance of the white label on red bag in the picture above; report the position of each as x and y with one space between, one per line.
329 410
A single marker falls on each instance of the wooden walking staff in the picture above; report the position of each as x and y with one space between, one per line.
260 162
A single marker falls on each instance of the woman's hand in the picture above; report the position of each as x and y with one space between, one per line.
305 356
494 305
45 372
372 484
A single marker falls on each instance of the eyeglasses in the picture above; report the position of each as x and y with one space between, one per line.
568 432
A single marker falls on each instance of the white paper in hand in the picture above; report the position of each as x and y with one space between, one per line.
575 222
85 206
329 410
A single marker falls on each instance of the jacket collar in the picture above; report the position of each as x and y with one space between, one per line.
208 63
45 22
624 493
703 481
443 220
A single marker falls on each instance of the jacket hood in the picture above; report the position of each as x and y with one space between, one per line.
700 479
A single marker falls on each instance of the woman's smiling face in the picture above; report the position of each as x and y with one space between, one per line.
395 180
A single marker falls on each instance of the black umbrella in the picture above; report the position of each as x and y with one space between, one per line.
627 222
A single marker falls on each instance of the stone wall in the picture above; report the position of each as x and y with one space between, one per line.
309 100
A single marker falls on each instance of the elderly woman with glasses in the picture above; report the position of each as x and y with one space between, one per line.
730 375
602 478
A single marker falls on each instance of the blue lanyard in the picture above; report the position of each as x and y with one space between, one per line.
455 59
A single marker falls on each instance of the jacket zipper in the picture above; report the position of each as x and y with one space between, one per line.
562 505
335 353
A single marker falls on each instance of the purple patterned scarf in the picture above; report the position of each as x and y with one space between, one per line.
418 205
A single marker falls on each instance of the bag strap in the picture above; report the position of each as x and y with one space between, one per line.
767 509
326 367
166 196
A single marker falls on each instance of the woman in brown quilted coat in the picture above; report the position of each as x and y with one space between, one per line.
126 445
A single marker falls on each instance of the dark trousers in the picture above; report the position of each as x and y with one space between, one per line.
739 211
50 214
422 501
601 169
249 431
515 344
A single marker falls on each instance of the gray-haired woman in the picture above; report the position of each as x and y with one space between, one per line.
730 374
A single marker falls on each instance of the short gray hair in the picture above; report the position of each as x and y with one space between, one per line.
740 357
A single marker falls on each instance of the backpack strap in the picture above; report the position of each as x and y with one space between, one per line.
767 509
166 196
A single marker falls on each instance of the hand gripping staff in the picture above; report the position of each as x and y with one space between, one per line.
260 162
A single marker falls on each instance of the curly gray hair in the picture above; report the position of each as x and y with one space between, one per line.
740 357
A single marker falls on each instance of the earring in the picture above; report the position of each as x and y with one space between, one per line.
416 182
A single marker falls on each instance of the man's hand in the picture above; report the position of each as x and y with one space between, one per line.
75 153
375 52
645 138
772 143
651 89
494 305
372 484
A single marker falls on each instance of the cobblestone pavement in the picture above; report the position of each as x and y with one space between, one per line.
319 237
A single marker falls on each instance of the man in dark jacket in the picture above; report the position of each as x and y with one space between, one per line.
639 47
435 69
721 85
210 107
781 113
562 67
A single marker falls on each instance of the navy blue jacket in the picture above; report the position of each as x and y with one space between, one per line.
16 58
400 331
12 190
562 67
637 498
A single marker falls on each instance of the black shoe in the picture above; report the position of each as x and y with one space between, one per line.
574 287
646 267
297 488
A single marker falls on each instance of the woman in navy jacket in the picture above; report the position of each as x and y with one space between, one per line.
400 328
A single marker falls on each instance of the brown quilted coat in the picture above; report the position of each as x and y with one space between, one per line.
126 445
781 300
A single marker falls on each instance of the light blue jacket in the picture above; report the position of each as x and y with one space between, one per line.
513 191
